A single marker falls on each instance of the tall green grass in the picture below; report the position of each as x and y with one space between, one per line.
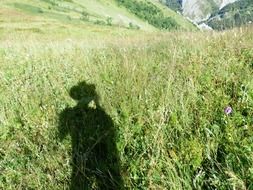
165 96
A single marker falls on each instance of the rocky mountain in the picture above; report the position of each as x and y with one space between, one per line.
197 10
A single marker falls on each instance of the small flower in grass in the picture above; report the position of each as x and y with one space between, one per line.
228 110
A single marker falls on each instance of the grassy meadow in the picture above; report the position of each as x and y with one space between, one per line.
163 94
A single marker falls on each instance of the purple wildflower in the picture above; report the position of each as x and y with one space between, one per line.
228 110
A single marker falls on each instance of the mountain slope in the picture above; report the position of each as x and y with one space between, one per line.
78 11
95 13
232 15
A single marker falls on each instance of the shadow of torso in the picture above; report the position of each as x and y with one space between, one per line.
95 162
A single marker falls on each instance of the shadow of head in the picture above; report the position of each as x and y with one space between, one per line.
84 92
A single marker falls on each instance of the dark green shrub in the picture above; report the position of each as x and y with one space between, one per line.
133 26
149 12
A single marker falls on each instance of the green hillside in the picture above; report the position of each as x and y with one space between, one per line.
90 13
233 15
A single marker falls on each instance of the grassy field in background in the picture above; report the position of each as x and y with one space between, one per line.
165 94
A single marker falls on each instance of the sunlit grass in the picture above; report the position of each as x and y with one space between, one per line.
165 92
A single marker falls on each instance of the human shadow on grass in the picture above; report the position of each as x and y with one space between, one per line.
95 162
